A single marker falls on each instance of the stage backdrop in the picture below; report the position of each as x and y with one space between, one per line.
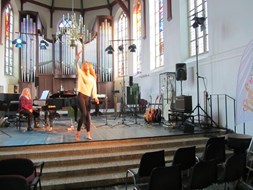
244 97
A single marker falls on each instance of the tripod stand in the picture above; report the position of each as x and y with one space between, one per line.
106 109
123 64
199 21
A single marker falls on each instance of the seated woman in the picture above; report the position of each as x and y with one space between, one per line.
25 108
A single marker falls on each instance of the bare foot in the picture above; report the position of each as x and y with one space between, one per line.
89 136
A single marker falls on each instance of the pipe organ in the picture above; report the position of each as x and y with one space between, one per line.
28 32
104 30
45 65
105 36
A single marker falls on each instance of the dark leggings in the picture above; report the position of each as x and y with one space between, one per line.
29 115
84 106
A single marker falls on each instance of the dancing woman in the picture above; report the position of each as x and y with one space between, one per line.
87 89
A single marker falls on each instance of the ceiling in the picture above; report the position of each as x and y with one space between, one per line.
76 4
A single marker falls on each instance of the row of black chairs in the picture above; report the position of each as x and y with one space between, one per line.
20 173
188 171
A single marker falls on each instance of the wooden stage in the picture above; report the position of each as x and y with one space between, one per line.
104 127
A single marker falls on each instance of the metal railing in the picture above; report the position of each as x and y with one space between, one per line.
223 105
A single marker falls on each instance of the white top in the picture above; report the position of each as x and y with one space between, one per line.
86 84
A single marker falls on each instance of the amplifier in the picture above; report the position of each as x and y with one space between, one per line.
184 104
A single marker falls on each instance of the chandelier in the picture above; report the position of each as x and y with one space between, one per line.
73 28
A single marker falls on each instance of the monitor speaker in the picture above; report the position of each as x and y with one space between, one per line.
181 72
184 104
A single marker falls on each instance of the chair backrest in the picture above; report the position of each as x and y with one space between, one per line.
13 182
204 174
164 178
234 167
215 149
17 166
149 161
185 157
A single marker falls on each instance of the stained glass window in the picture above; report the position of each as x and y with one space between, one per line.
8 53
159 41
122 53
137 36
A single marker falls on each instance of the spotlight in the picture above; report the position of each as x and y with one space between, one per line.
121 47
132 48
109 49
199 21
43 44
18 42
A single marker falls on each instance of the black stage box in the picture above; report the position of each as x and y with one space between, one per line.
184 104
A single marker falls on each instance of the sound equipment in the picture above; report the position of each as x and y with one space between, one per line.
188 127
130 80
184 104
181 72
133 94
36 82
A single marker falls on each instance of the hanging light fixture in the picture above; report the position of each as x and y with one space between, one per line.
73 28
18 42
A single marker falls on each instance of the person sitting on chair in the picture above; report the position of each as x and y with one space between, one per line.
25 108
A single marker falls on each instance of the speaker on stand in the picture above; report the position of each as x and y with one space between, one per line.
131 81
181 73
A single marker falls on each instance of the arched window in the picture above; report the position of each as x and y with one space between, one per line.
122 50
137 35
197 9
8 52
159 41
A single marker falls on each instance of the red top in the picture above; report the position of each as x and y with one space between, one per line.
25 104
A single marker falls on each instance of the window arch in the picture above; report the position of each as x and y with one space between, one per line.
8 51
158 38
137 34
197 8
122 53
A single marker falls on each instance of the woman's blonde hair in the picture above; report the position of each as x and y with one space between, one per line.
29 93
91 69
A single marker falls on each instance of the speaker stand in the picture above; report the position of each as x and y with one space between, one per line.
181 87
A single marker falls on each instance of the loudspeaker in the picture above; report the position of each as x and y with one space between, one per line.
36 82
184 104
133 94
130 80
181 72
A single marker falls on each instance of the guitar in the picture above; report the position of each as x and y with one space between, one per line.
148 113
153 112
158 114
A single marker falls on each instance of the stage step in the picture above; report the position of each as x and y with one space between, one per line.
97 163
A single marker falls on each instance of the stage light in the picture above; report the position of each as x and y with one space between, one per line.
18 42
43 44
109 49
121 47
132 48
199 21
